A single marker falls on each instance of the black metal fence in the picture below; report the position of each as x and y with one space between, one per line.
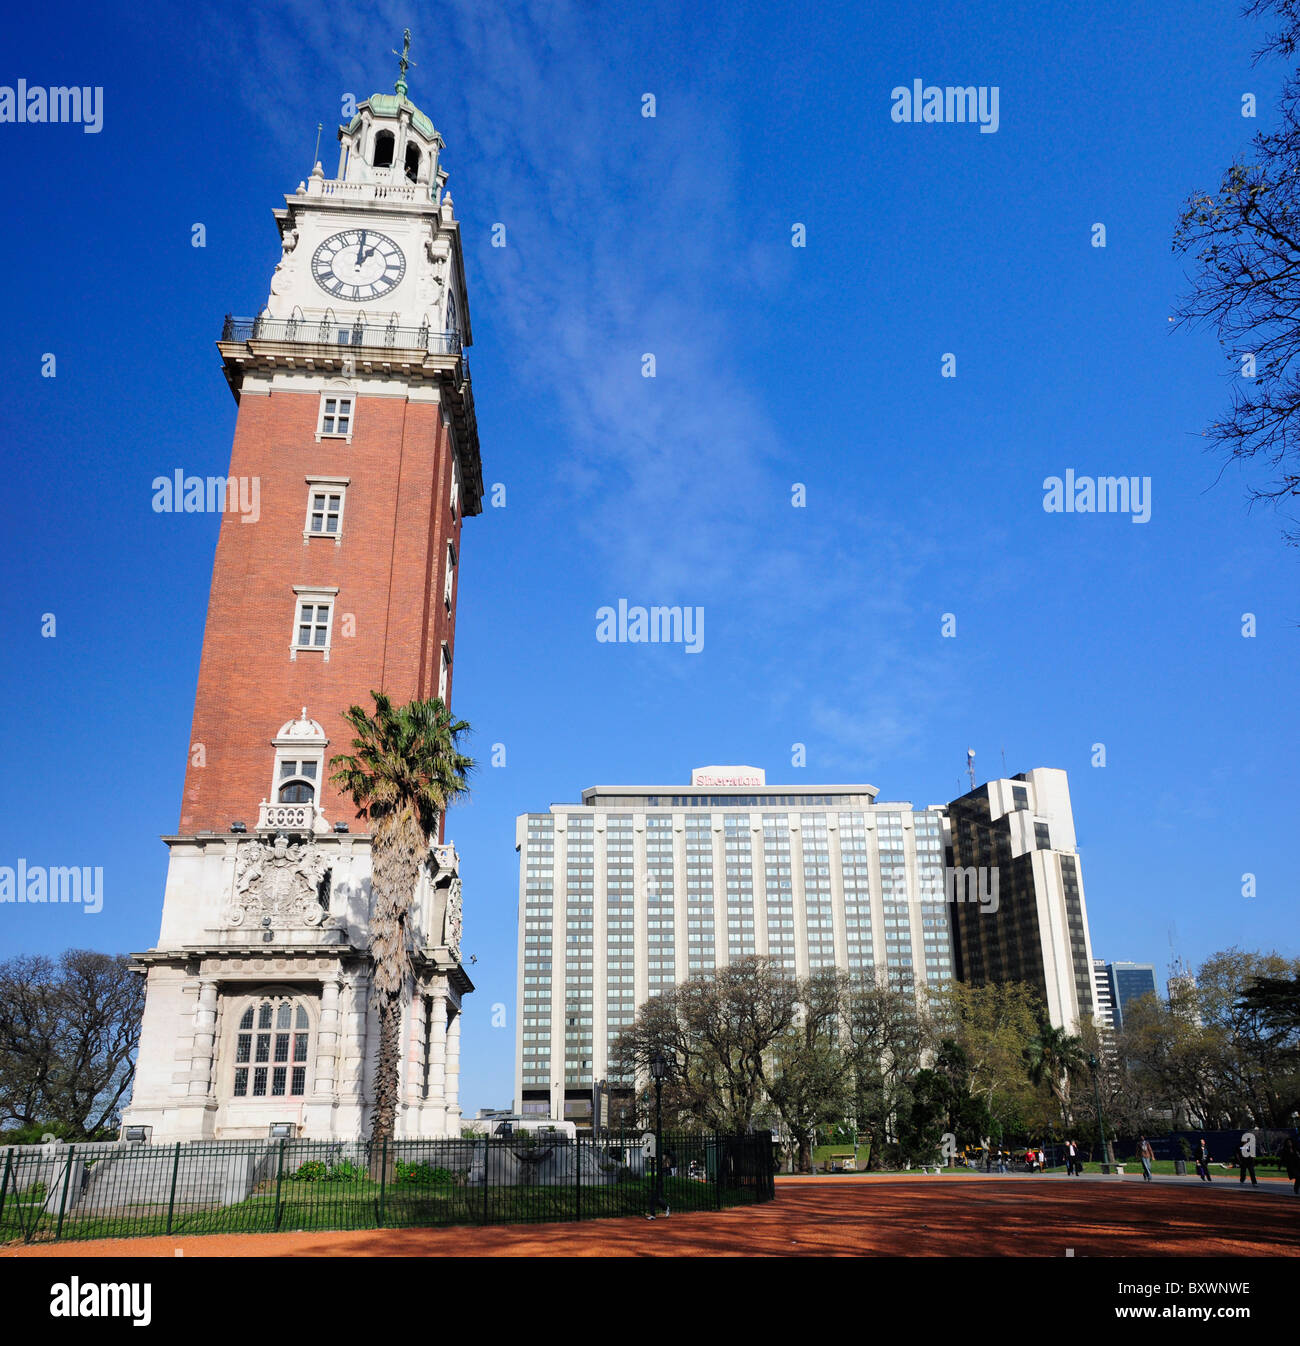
204 1187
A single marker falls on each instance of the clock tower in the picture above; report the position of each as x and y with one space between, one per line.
356 421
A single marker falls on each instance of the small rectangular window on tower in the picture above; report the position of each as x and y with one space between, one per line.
455 485
313 620
335 417
325 499
450 580
444 673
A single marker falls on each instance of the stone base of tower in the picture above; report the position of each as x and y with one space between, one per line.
255 1023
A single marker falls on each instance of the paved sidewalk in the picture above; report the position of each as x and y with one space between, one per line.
907 1215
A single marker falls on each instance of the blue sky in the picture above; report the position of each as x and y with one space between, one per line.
774 365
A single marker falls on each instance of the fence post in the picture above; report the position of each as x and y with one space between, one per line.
279 1179
577 1167
4 1184
63 1200
487 1157
383 1178
171 1200
717 1170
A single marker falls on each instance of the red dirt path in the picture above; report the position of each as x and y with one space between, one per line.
916 1217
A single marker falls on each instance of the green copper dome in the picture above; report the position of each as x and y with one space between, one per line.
388 105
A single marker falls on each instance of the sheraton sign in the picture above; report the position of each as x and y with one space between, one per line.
728 776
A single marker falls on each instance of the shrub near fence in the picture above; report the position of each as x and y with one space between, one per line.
205 1187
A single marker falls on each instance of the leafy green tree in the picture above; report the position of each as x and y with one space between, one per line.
404 770
942 1103
888 1034
1178 1057
1258 1057
920 1136
1053 1057
994 1025
811 1080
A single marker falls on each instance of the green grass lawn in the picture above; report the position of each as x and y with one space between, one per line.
356 1205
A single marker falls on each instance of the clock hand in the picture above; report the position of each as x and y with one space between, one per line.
361 248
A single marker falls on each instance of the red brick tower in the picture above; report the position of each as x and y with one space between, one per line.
356 418
355 460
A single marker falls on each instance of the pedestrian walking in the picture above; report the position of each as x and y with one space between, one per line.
1290 1157
1146 1154
1072 1164
1246 1158
1203 1159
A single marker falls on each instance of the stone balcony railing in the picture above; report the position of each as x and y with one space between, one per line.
289 818
369 191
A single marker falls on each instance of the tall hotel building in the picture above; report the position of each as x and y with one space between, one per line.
640 887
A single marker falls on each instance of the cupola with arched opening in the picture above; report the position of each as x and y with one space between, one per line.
390 141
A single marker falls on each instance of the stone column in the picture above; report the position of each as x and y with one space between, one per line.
414 1034
355 1065
436 1100
453 1072
202 1063
328 1040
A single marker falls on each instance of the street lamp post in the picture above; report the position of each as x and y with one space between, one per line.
658 1069
1101 1126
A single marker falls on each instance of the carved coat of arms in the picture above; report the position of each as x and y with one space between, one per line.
453 922
278 880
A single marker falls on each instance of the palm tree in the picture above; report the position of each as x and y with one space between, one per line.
1055 1055
405 768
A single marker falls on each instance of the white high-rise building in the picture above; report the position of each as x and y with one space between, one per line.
639 887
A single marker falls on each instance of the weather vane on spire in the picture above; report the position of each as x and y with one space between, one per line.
405 59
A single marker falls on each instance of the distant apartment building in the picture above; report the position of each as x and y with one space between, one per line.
639 887
1121 984
1022 829
1102 993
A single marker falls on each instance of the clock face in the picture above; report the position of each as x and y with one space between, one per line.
358 265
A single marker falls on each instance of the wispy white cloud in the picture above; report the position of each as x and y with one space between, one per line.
678 485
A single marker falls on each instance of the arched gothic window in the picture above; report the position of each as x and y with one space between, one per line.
412 162
273 1049
384 149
